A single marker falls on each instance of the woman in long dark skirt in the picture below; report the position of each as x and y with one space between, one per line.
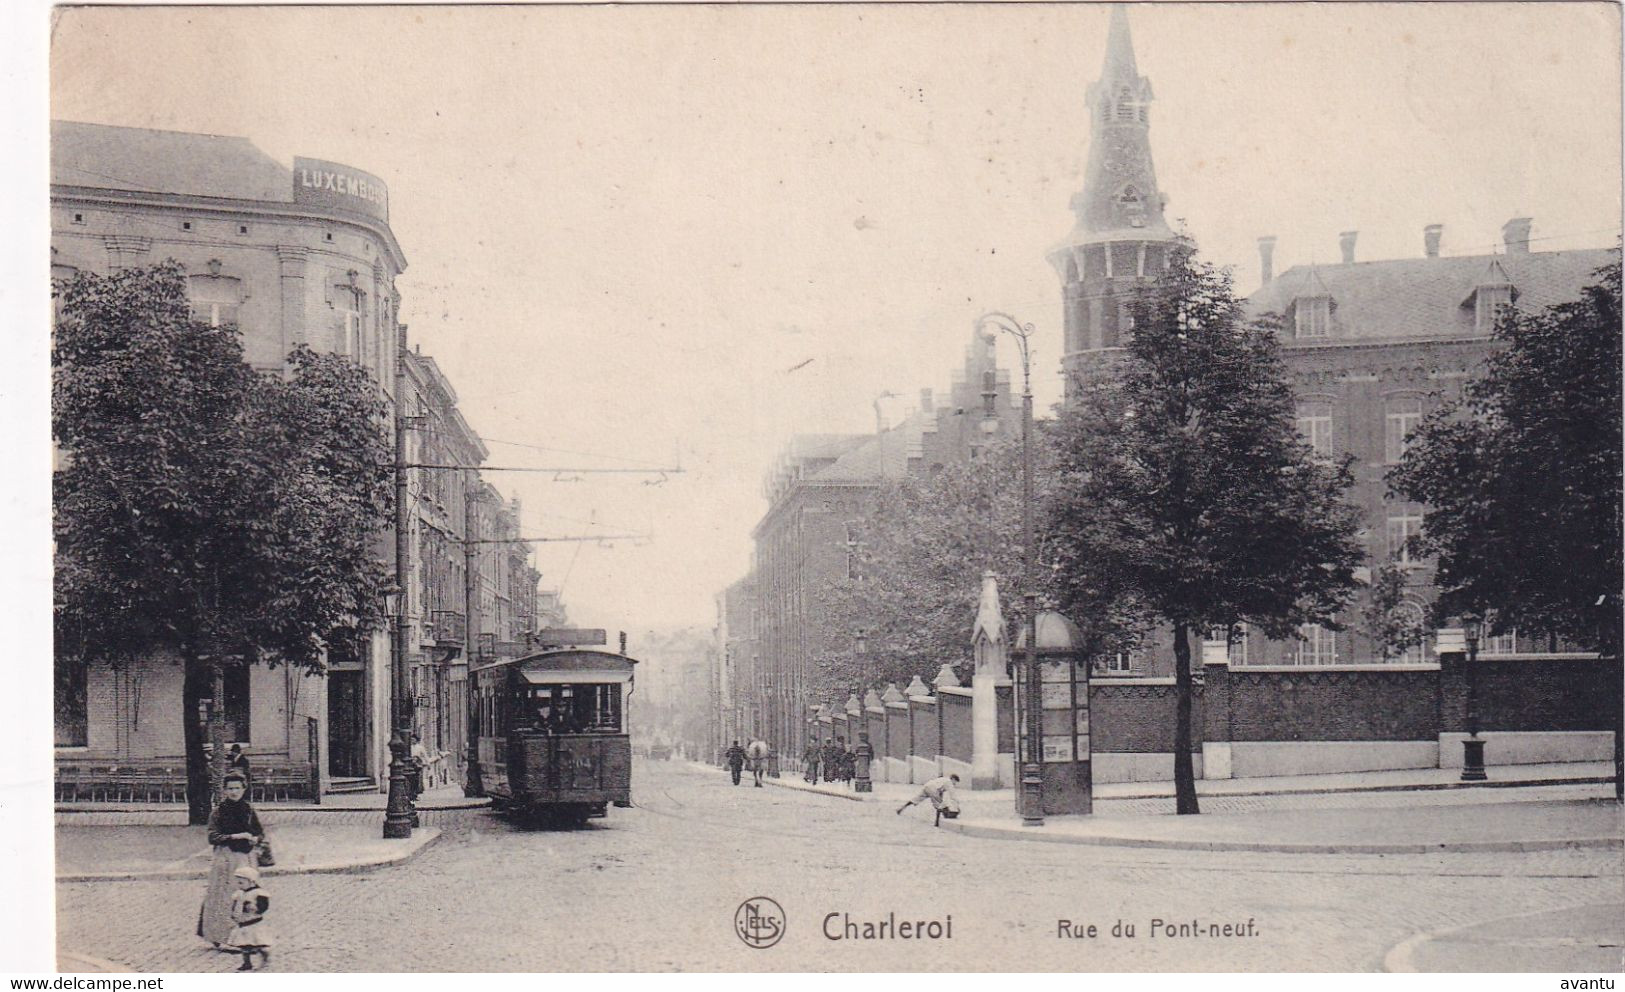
234 830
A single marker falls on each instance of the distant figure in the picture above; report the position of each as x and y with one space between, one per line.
735 757
758 751
237 762
809 758
940 791
420 761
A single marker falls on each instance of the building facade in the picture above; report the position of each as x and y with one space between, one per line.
300 255
1371 349
294 256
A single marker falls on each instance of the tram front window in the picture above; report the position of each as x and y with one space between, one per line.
575 709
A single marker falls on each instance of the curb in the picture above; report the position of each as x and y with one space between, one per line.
856 797
1420 787
1520 846
432 835
89 963
1400 957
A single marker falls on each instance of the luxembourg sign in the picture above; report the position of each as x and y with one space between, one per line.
329 184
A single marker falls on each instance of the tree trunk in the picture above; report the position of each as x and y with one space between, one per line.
217 727
1184 772
194 689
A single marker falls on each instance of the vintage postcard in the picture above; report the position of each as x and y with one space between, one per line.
931 487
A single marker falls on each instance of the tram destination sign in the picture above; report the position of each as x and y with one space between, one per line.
570 637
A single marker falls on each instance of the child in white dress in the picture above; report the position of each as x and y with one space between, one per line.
249 903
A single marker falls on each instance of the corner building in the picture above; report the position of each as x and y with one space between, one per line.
300 255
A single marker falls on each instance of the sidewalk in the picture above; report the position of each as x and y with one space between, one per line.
440 797
96 853
1536 807
1577 939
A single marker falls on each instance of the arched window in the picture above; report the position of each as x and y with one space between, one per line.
1412 619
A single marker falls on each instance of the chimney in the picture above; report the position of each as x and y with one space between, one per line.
1430 239
1266 259
925 401
1515 233
1345 241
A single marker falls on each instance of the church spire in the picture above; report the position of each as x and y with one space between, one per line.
1119 237
1119 48
1120 196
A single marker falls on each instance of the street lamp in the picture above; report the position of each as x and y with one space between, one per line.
400 814
1472 747
1032 780
862 651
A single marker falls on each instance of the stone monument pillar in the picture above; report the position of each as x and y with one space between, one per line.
989 651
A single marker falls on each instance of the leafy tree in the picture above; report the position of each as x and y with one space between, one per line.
1394 627
203 508
917 571
1522 479
1184 487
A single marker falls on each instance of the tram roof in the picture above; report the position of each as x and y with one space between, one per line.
563 665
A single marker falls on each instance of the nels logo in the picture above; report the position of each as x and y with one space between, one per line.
759 922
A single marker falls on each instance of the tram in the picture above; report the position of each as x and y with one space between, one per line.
551 732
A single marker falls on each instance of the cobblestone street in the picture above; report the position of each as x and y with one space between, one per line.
656 888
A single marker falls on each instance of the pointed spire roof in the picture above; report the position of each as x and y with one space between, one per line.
989 615
1120 200
1120 66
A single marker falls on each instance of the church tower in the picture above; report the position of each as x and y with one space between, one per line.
1120 237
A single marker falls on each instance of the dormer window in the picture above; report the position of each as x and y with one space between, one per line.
1488 303
1312 317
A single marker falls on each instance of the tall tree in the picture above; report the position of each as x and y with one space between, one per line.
1184 486
1522 479
1523 482
205 509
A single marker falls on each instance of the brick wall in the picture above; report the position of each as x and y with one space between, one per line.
956 726
1137 716
1548 694
897 730
1397 704
922 713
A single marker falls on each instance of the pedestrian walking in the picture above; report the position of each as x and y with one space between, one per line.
249 904
809 758
758 751
234 832
736 760
237 763
940 791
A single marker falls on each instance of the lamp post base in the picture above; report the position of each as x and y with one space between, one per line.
1472 760
401 816
1032 796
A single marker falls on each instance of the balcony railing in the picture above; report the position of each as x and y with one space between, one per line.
448 627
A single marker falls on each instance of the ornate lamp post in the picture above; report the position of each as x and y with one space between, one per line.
1472 747
1032 781
400 815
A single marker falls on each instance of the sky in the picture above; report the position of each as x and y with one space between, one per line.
644 237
